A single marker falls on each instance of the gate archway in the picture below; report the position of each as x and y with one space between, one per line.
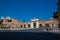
34 24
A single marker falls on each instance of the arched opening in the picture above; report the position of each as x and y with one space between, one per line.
40 25
34 24
47 25
28 25
21 26
24 26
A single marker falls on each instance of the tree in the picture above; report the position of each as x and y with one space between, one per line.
56 16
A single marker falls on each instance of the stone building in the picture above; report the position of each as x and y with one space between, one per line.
34 23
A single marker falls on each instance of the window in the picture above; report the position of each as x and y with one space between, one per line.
34 25
40 25
21 26
47 25
24 26
29 25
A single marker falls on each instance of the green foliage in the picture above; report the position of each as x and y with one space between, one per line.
59 18
56 16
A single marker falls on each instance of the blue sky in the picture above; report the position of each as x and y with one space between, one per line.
27 9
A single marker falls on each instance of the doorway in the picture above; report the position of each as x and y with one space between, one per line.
34 24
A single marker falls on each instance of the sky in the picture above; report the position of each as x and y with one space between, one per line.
28 9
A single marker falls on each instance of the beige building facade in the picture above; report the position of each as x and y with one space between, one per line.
33 23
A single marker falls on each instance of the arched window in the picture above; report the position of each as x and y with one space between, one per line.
47 25
24 26
34 25
21 26
29 25
40 25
